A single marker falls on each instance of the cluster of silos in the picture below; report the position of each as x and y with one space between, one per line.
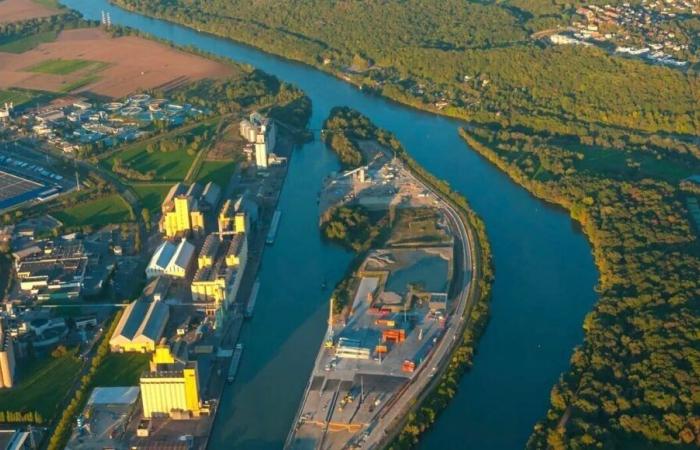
249 131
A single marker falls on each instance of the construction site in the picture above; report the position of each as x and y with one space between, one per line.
380 184
401 297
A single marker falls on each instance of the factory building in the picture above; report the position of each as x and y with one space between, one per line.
171 387
56 269
237 215
221 264
184 207
7 358
260 131
142 324
351 349
171 259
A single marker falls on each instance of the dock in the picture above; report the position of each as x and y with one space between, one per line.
272 233
251 301
235 361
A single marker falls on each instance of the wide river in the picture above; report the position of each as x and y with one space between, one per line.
544 273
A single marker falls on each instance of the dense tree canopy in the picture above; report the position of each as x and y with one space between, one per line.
636 377
476 60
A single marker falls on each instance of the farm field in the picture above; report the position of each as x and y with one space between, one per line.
26 43
41 385
63 66
18 10
123 65
97 213
22 96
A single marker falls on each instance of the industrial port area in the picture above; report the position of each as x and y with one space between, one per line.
407 301
200 258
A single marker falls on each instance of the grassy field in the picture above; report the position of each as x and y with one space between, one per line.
121 369
88 79
21 96
100 212
151 195
217 171
26 43
417 225
168 166
61 66
621 163
41 386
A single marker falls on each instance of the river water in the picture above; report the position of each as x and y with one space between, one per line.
544 273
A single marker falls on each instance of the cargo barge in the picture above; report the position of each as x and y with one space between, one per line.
272 233
253 298
235 361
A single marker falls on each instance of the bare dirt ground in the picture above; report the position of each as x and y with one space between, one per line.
17 10
133 64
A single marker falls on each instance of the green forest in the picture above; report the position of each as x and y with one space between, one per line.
472 60
636 377
345 128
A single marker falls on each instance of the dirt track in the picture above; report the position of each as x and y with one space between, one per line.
134 64
16 10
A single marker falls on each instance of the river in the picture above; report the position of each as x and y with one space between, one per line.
544 273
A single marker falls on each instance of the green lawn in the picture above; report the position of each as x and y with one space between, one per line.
217 171
61 66
151 195
121 369
26 43
41 385
168 166
100 212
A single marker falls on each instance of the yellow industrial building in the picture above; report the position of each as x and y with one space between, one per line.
183 218
221 263
171 387
237 215
183 208
231 220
